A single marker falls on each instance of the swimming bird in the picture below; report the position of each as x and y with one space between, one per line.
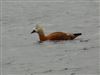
55 36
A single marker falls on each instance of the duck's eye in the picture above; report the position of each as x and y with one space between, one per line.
35 28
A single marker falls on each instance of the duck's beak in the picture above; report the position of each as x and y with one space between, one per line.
33 31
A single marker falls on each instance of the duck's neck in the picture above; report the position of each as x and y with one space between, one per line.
42 36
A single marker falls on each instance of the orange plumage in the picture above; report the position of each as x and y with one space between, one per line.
55 36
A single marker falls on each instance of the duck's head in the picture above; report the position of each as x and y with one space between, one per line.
37 29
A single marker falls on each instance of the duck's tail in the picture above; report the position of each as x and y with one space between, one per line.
77 34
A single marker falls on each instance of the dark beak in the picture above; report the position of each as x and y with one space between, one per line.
33 31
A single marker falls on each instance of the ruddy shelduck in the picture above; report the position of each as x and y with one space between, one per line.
55 36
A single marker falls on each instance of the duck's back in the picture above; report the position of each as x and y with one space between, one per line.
60 36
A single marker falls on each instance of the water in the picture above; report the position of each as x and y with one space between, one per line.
23 55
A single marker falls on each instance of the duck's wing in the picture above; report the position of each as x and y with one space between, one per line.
60 36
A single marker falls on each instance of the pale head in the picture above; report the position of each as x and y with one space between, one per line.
37 29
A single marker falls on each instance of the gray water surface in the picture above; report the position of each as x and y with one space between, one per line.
23 55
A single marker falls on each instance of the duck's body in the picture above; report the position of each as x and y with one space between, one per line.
60 36
55 36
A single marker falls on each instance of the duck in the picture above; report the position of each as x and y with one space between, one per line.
55 36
